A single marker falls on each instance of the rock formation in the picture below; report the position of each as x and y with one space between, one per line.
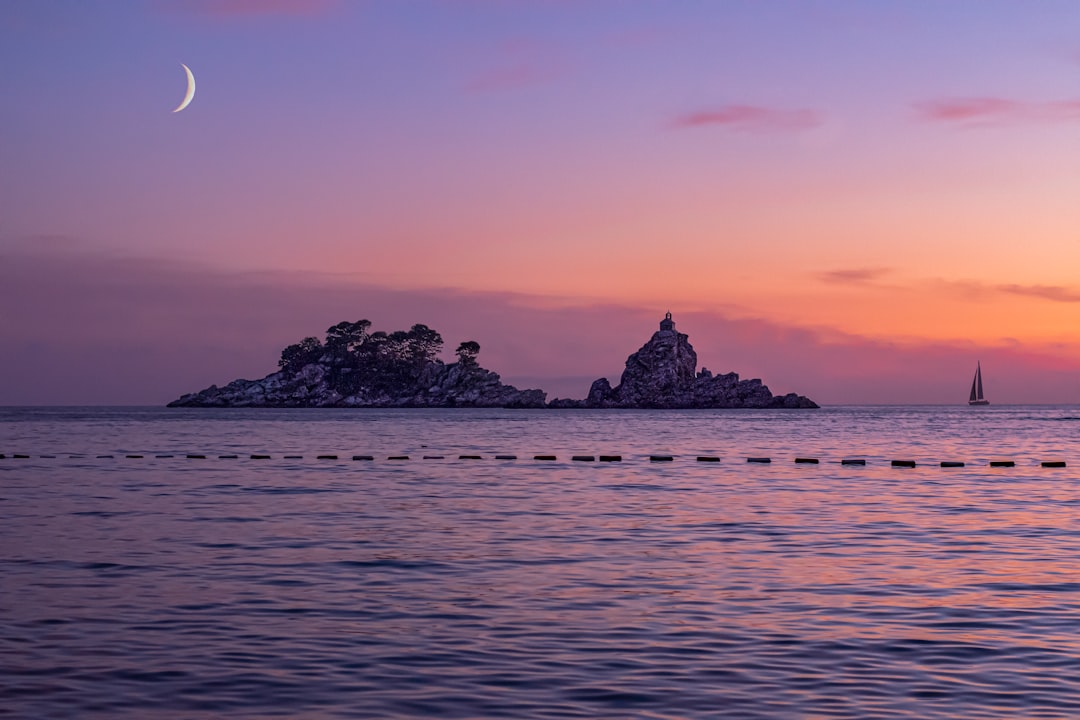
663 374
356 369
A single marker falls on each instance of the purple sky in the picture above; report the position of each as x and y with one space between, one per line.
854 201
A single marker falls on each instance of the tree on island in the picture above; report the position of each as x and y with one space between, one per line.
345 337
297 355
423 344
467 352
350 344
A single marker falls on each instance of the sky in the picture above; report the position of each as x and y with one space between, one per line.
854 201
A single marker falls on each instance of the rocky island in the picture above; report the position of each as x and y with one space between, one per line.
357 368
664 374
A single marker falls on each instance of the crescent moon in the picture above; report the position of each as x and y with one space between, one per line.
190 89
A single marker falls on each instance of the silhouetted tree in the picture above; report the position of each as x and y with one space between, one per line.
397 345
346 337
467 352
303 353
424 344
379 361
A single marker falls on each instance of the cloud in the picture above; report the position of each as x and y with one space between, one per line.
750 118
252 8
975 290
853 276
1055 293
982 111
518 64
511 77
960 109
87 327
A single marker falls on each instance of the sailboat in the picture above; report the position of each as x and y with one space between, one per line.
976 388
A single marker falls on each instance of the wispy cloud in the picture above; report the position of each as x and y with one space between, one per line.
249 8
750 118
509 77
853 276
147 330
981 111
517 64
975 290
1056 293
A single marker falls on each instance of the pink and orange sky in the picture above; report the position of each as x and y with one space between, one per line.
855 201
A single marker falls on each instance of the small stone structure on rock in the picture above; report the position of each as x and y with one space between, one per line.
663 374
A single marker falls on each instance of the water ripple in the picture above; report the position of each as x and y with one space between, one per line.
559 590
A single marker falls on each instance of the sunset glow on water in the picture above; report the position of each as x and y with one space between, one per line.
176 587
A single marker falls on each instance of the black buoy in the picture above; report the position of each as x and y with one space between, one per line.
294 457
193 457
468 457
20 456
99 457
398 457
661 458
853 461
434 457
758 460
708 458
951 463
260 457
809 461
1053 463
326 457
583 458
506 457
133 457
1002 463
228 457
903 463
543 457
610 458
363 457
162 457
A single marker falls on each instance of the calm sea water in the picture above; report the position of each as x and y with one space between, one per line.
184 588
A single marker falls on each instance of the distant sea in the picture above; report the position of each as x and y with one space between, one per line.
212 587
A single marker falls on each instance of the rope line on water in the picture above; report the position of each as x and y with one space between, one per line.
759 460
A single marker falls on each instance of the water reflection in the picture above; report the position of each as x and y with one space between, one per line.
473 589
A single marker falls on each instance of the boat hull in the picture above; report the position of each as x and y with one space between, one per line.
978 402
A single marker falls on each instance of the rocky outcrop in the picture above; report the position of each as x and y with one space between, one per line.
355 369
663 374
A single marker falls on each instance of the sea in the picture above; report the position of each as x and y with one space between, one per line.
151 568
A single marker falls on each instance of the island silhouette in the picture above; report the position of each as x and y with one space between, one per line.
354 367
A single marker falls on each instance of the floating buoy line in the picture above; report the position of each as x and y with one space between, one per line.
757 460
